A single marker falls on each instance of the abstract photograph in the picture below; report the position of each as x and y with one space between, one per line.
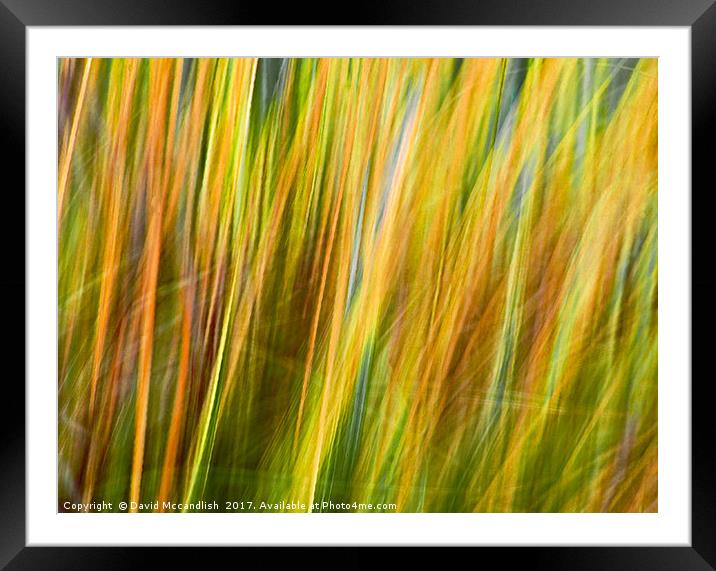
372 285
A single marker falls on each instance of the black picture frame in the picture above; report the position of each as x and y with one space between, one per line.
17 15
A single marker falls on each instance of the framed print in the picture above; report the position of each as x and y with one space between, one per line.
421 279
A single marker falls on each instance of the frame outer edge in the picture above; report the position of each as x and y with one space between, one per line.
703 273
12 285
370 12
